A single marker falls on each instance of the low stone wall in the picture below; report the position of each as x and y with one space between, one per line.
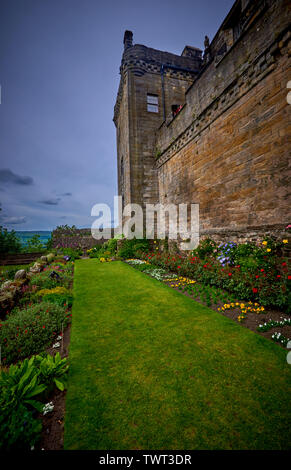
81 239
19 258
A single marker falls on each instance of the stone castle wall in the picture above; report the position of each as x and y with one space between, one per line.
228 149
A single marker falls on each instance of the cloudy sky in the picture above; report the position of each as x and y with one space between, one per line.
59 75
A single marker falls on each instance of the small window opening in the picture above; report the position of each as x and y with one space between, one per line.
153 103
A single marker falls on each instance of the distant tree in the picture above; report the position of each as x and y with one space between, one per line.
9 242
34 243
66 230
49 243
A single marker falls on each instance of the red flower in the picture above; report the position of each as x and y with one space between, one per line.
178 267
229 274
284 264
289 277
278 276
255 290
25 331
43 326
262 270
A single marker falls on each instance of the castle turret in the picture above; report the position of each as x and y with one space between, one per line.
152 88
127 40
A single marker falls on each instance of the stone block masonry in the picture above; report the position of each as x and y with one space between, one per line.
228 146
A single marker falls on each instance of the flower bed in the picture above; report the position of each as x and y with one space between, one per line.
253 273
248 283
37 325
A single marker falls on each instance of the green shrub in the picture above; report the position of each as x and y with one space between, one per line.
73 253
132 248
205 248
64 300
29 330
95 251
19 429
110 246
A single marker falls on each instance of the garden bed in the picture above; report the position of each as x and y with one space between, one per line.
52 436
232 308
36 329
252 320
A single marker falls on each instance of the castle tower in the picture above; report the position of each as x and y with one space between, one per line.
152 90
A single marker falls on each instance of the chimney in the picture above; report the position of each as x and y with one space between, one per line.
127 40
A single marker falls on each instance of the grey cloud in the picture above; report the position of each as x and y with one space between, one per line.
13 220
7 176
50 202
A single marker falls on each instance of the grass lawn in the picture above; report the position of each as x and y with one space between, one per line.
152 369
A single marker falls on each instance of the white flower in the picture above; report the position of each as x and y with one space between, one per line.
56 345
48 408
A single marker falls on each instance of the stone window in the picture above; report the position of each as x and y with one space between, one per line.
152 103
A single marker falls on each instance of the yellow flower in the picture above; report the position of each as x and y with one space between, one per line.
264 242
285 241
268 249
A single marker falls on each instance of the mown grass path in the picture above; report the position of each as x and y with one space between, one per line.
152 369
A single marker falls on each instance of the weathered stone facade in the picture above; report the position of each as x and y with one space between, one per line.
228 146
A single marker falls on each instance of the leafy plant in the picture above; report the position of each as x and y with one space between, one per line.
19 385
52 369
